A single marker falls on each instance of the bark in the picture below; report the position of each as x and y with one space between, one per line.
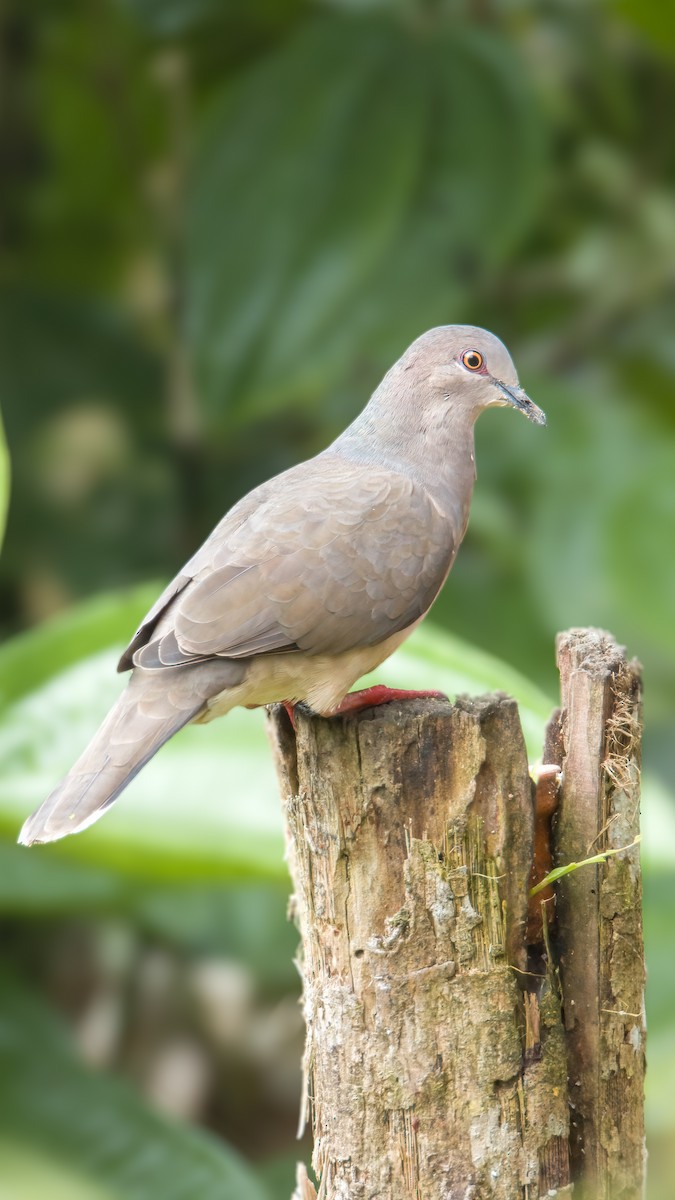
436 1063
409 835
600 914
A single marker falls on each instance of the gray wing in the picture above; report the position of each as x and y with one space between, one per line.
329 557
199 562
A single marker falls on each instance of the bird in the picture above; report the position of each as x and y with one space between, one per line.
312 579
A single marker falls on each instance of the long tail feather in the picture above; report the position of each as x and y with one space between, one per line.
154 706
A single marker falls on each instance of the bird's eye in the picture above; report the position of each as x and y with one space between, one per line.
473 360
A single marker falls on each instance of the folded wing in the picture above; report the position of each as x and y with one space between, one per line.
333 557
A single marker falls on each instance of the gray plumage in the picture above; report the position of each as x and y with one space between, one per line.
312 579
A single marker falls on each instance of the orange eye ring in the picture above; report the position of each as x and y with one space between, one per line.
473 360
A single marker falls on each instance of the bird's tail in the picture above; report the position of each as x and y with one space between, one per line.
154 706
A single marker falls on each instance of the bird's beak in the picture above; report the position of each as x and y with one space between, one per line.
520 400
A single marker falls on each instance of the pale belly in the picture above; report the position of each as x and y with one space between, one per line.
321 680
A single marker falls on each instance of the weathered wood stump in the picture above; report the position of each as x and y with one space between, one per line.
438 1062
600 946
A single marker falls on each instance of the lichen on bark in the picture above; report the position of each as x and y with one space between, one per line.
443 1059
409 839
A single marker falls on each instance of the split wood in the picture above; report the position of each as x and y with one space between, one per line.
446 1058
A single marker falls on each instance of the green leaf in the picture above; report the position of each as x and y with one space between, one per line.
51 885
206 807
569 868
76 1135
373 187
185 815
32 658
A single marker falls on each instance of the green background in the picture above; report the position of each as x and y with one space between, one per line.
220 222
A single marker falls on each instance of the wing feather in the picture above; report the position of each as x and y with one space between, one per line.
337 555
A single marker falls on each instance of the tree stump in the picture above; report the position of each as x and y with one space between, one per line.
600 947
437 1054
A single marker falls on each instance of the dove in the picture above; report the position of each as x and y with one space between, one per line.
313 578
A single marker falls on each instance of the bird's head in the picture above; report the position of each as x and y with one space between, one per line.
471 368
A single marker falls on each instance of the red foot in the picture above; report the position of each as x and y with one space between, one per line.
367 698
372 696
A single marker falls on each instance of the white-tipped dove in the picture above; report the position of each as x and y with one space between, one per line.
314 578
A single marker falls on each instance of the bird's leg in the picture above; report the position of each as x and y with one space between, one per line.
372 696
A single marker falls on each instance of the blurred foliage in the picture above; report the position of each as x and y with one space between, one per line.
395 203
4 481
90 1138
219 224
154 834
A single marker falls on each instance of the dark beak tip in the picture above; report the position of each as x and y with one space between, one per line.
520 400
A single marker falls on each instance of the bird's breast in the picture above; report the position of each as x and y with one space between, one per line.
321 680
